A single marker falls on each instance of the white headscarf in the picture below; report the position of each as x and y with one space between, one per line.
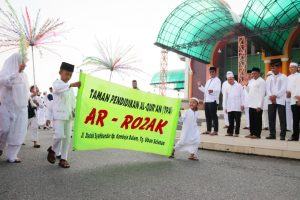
11 65
9 71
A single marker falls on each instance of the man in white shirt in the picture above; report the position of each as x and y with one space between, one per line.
276 91
225 85
290 85
256 90
234 101
211 98
294 91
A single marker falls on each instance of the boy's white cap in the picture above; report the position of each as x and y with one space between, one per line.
194 98
270 73
293 64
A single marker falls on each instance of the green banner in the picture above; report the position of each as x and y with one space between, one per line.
112 116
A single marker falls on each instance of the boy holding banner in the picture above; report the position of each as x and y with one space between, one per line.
190 136
62 113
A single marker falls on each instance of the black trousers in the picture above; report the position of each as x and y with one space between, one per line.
211 116
234 116
272 109
296 121
255 122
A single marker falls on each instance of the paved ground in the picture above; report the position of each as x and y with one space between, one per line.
120 174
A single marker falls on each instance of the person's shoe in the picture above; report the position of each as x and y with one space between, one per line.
265 129
51 155
58 157
292 139
23 144
213 133
236 135
36 146
17 160
254 137
270 137
229 134
246 127
206 133
225 126
1 152
288 130
248 136
282 138
64 163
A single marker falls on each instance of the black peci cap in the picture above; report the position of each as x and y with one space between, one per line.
255 69
67 67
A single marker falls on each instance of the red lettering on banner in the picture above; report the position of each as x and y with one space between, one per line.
91 117
136 123
160 126
128 119
147 120
102 114
151 125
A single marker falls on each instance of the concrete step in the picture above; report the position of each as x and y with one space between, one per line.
275 148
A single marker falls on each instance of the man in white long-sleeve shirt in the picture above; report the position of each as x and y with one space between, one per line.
295 105
276 91
256 90
225 85
211 98
234 101
288 105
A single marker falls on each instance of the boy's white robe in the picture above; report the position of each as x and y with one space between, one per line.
190 135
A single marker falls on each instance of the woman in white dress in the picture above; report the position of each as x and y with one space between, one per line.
14 95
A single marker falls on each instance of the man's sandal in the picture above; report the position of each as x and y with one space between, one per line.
63 163
193 158
51 155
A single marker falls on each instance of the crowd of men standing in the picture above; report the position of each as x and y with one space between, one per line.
278 95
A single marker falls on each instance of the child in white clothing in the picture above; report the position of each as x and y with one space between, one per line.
190 135
62 114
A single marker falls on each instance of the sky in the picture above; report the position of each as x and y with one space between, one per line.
132 22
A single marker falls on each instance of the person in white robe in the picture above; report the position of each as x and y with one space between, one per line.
295 106
234 101
225 85
32 128
276 86
190 135
41 111
14 95
288 104
62 114
256 90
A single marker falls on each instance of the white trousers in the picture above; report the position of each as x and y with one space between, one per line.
247 117
5 123
226 118
62 137
12 152
289 116
265 119
32 129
